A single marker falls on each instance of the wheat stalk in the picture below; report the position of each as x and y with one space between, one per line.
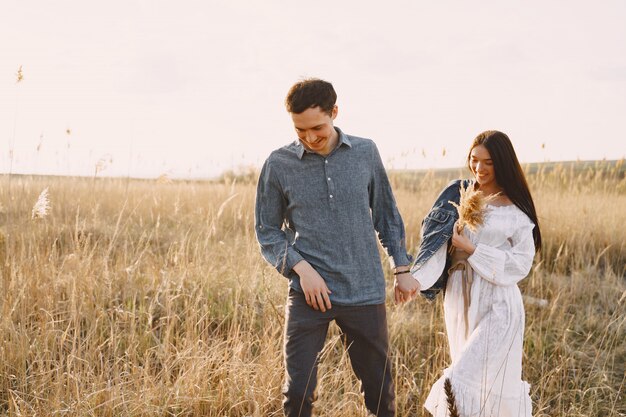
471 208
163 179
103 163
41 207
19 75
447 387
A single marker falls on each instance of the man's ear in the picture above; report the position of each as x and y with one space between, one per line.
334 112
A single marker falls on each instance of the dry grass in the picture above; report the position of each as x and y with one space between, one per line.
472 207
135 298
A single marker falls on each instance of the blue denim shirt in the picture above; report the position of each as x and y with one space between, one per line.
328 211
437 229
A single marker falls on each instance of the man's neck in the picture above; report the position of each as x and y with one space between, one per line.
332 143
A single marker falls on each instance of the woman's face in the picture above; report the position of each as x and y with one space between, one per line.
482 167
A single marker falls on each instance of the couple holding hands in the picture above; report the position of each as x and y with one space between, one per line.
322 204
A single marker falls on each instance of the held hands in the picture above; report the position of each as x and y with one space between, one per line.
314 287
405 287
462 242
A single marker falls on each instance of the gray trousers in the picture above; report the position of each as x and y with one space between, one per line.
364 332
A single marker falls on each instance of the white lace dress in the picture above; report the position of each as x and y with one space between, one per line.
486 369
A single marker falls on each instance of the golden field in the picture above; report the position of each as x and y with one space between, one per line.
150 298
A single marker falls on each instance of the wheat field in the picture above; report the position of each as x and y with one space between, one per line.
150 298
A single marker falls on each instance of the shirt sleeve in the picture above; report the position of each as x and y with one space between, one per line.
430 272
385 215
510 265
270 207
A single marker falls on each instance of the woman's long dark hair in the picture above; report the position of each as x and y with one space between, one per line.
509 174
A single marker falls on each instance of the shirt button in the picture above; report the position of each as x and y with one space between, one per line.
331 196
328 178
325 161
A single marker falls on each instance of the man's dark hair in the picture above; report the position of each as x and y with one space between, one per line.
311 93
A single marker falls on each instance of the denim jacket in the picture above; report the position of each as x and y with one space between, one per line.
437 231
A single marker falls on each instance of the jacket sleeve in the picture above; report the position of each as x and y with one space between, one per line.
385 215
270 210
510 265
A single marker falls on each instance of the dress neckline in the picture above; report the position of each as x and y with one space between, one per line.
503 206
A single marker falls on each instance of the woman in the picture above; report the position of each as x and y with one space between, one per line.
483 307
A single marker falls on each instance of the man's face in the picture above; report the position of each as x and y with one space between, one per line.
315 129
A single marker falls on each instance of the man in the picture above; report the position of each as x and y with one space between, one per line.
320 202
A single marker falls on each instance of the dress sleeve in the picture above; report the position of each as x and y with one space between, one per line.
507 265
429 272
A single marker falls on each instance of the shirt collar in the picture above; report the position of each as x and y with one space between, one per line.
343 140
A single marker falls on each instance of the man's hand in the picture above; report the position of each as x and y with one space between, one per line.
405 287
314 287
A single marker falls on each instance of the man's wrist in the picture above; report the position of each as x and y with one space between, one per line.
300 266
403 269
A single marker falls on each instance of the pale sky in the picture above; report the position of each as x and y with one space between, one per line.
191 88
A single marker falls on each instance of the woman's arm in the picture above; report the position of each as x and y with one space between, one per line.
506 266
430 272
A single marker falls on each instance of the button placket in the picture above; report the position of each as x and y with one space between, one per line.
330 183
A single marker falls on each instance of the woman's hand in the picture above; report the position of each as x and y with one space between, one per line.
461 241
